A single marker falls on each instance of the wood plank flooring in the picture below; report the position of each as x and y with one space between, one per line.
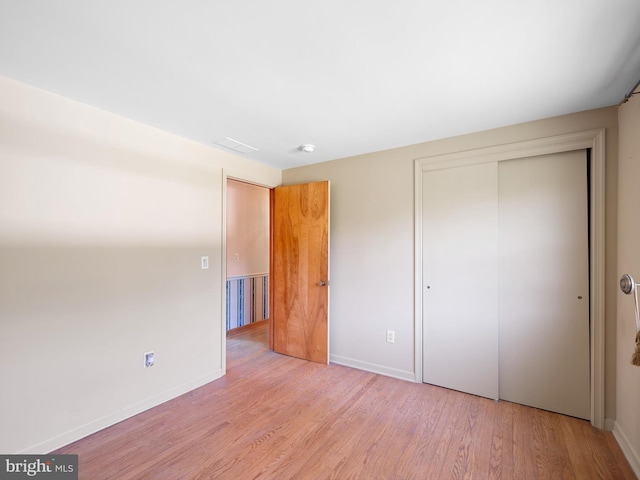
277 417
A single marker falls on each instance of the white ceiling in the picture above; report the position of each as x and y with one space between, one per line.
350 76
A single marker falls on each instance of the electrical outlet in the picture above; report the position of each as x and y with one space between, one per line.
149 358
391 336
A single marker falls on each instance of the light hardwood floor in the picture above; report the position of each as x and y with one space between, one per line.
276 417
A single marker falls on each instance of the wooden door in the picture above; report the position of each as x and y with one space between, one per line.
544 283
460 272
301 271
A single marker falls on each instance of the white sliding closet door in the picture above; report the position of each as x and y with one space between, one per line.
544 283
460 271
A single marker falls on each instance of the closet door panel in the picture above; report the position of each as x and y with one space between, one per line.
460 272
544 283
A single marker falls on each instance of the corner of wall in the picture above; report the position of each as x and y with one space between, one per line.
627 449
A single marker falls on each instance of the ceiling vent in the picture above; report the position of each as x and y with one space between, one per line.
235 145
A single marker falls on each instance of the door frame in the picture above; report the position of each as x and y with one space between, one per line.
589 139
229 175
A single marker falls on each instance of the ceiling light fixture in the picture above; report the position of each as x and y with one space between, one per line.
307 147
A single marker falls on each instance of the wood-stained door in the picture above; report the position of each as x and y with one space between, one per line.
301 271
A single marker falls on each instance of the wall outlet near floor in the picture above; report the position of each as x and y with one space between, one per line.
391 336
149 358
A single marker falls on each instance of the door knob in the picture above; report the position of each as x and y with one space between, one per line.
322 283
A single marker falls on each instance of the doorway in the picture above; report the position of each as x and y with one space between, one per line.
294 265
247 256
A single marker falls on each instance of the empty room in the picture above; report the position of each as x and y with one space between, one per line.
319 239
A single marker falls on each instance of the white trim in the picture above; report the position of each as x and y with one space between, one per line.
251 275
609 424
591 139
223 280
118 416
372 367
627 449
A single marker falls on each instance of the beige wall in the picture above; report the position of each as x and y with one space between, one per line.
102 225
627 428
247 229
372 260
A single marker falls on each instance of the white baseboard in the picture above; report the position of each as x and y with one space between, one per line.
632 456
94 426
609 424
373 367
